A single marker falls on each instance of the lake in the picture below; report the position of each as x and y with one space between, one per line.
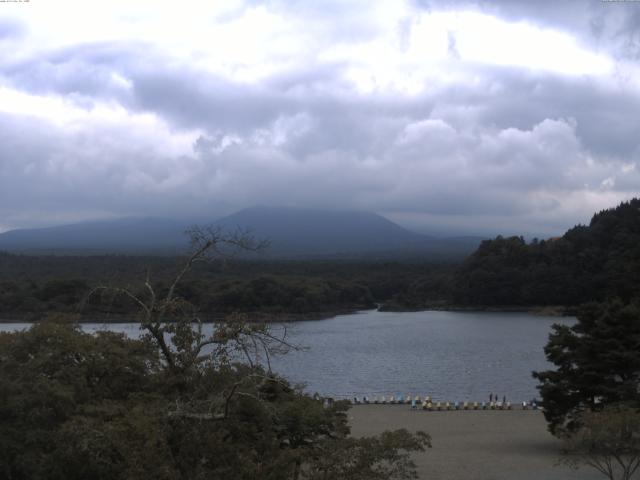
448 355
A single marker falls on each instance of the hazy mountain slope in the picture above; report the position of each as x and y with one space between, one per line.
121 235
298 231
292 233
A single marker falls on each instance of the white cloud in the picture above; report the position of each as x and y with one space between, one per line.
447 115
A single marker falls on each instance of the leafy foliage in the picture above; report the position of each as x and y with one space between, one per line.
54 383
175 404
75 405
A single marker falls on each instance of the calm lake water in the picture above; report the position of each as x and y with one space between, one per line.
448 355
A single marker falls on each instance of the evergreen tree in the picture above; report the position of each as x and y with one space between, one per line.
598 363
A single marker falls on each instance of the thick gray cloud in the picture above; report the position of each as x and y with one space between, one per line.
136 129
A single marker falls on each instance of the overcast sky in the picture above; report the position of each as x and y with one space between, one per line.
482 117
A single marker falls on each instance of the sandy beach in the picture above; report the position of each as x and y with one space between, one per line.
478 445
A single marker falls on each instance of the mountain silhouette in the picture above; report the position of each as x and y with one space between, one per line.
291 232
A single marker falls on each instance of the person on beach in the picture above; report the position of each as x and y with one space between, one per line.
504 399
490 397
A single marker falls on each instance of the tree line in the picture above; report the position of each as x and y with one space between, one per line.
588 263
32 287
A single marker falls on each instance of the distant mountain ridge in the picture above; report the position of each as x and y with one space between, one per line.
119 235
292 232
301 231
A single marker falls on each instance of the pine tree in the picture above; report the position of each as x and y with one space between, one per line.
597 360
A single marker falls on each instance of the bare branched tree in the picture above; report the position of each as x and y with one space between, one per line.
174 325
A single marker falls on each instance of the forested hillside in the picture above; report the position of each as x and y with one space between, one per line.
31 287
587 263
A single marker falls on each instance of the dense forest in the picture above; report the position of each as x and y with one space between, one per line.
589 262
31 287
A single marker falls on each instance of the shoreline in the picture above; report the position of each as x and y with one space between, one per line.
474 444
543 310
265 317
258 317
